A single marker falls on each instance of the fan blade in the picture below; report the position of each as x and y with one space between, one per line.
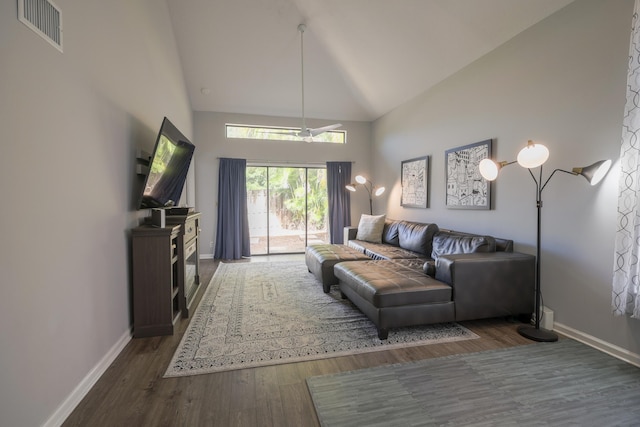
288 133
318 131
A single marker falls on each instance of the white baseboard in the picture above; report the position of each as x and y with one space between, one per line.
206 256
81 390
598 344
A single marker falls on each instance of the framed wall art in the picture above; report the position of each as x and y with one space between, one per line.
415 182
466 188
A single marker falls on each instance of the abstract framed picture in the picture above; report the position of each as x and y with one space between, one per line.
415 183
466 188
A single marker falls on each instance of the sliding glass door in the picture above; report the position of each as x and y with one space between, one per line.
287 208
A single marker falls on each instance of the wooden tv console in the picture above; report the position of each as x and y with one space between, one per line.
166 274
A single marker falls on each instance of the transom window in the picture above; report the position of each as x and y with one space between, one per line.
275 133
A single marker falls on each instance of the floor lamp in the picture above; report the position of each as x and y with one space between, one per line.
534 155
371 189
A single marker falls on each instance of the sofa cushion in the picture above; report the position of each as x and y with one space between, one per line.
390 284
416 237
390 232
384 251
359 245
446 243
370 228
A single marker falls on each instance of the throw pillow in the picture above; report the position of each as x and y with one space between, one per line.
370 228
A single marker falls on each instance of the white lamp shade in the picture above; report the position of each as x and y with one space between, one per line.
488 169
361 179
379 191
533 155
595 172
600 172
350 187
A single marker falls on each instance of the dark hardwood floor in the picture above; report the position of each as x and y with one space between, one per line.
132 391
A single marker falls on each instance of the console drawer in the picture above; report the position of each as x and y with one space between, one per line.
190 229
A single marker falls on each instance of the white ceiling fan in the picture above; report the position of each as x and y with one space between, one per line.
306 133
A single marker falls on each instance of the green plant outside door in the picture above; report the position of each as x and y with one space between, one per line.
287 208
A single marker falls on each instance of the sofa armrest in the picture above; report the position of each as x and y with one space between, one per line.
489 284
349 233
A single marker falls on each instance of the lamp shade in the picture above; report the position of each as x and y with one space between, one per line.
361 179
489 169
533 155
379 191
350 187
595 172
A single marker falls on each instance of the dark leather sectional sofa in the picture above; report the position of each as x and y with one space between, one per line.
417 273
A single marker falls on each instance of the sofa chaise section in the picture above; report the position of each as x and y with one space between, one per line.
393 295
485 278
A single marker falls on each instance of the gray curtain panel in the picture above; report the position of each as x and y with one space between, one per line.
338 176
232 233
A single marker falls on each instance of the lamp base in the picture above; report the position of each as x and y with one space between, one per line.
540 335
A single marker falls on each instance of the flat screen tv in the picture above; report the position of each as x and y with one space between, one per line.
168 168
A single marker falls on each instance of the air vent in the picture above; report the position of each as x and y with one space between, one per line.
43 17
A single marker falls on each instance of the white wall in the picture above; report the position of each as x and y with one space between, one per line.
562 82
212 144
70 124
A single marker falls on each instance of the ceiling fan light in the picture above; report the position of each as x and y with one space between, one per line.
533 155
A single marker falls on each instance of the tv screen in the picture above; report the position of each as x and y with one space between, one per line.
168 168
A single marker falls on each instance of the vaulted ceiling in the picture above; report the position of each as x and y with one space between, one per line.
362 58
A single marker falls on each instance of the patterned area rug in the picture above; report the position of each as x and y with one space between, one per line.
259 314
552 384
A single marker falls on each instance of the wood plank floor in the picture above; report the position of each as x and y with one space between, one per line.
132 391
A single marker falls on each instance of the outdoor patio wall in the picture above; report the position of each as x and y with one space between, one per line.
561 82
211 144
